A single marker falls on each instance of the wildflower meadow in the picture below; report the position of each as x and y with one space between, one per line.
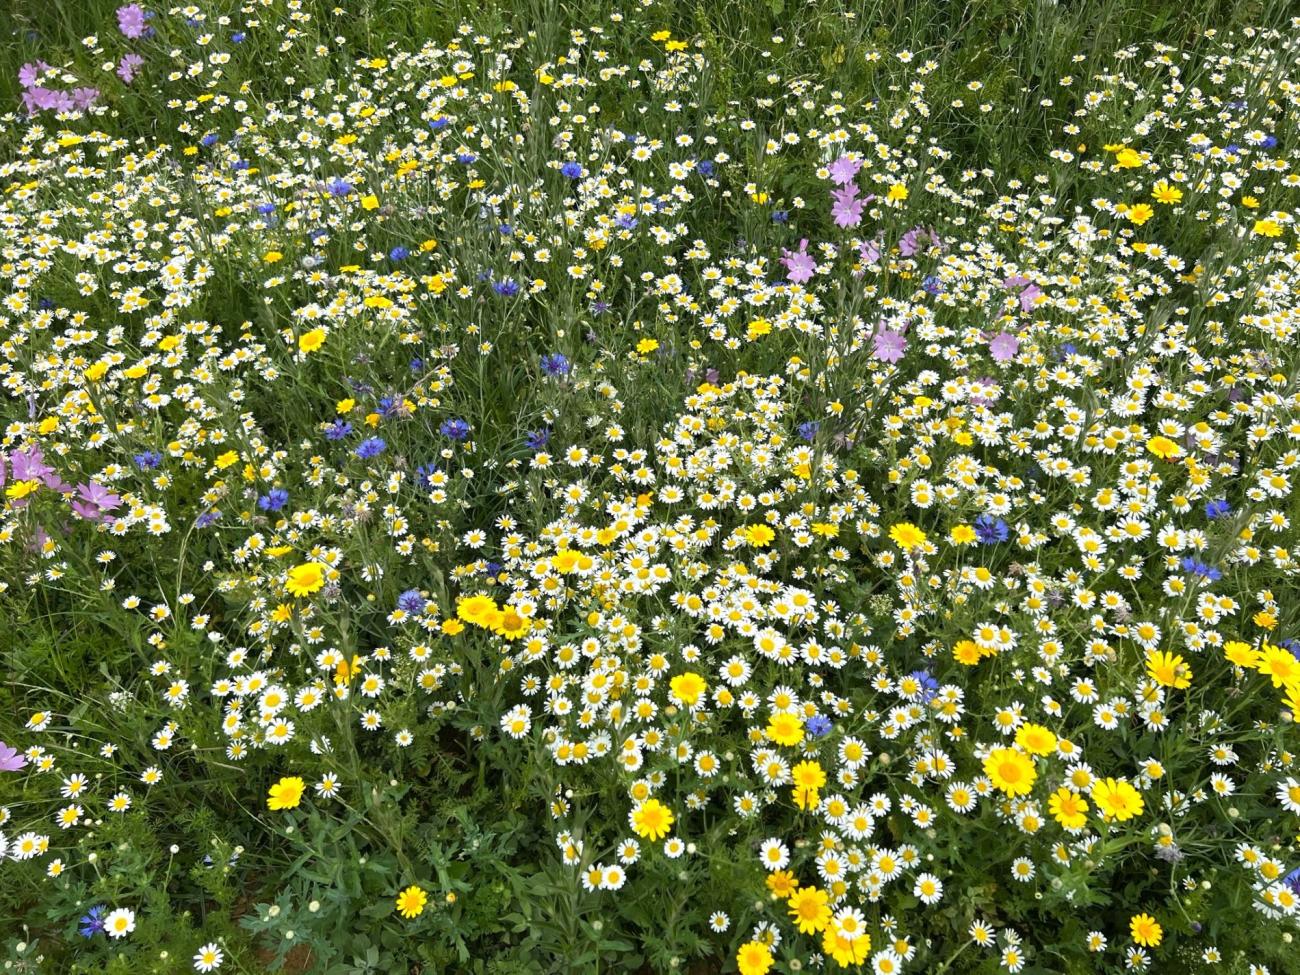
574 486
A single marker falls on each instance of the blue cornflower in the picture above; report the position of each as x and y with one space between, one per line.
1232 148
92 922
411 601
492 569
556 364
537 439
599 307
239 165
1198 568
206 519
338 430
990 530
626 221
505 230
818 726
808 430
416 364
1269 142
1068 349
398 254
45 304
1217 509
1292 880
441 122
238 37
704 167
273 500
265 208
455 429
507 288
148 460
780 216
209 140
339 187
465 158
424 474
571 170
370 447
1292 645
929 686
931 284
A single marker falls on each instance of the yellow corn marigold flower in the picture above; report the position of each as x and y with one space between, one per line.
687 689
759 535
309 342
754 958
1164 192
1139 214
285 794
1011 771
1267 228
1068 808
785 729
646 346
1128 158
370 202
961 535
967 652
651 820
1164 448
1168 670
1036 739
1279 665
810 908
411 901
305 579
906 535
1116 799
477 610
1241 654
782 883
1146 930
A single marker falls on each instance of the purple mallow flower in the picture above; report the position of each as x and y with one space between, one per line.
129 65
889 345
94 502
11 759
799 265
131 20
1003 347
843 170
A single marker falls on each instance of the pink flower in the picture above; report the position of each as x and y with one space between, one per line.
799 265
29 74
11 759
129 66
131 20
889 345
1004 347
847 206
843 170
